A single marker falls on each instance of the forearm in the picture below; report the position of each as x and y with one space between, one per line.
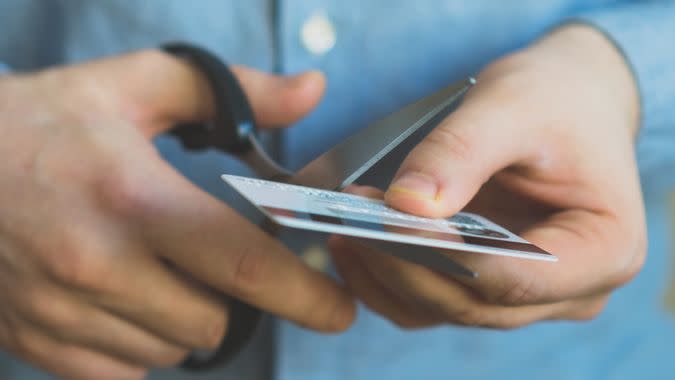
644 33
581 51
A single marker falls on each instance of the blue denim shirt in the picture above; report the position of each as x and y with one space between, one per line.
387 53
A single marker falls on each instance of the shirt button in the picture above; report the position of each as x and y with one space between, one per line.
316 257
318 34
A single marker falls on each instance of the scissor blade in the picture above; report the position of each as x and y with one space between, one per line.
347 161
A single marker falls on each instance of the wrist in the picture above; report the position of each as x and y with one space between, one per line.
590 55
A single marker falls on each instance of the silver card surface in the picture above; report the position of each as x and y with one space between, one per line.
338 213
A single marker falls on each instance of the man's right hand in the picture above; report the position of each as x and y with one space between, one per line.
110 261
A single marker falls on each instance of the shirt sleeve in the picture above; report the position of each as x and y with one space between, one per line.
4 69
644 32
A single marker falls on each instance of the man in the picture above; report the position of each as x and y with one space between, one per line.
114 263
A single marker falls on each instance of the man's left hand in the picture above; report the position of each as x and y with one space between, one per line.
543 145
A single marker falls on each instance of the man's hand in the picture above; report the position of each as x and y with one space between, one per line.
110 261
545 146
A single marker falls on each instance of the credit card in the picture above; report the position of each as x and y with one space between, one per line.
331 212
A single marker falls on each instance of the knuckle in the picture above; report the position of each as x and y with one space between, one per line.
248 270
77 268
76 259
124 193
452 140
67 265
518 292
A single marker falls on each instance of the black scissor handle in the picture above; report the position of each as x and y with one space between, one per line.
233 131
233 121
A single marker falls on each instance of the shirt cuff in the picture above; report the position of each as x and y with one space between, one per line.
643 32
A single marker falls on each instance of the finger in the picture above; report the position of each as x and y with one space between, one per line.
397 277
443 173
56 312
114 270
451 301
167 90
69 361
168 304
281 100
210 241
366 288
593 260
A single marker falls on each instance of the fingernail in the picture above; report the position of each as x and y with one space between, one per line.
416 185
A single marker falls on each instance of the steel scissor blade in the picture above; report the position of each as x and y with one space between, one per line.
347 161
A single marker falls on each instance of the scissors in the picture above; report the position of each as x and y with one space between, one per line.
233 131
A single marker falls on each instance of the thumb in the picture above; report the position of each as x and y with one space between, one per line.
280 100
165 90
444 172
